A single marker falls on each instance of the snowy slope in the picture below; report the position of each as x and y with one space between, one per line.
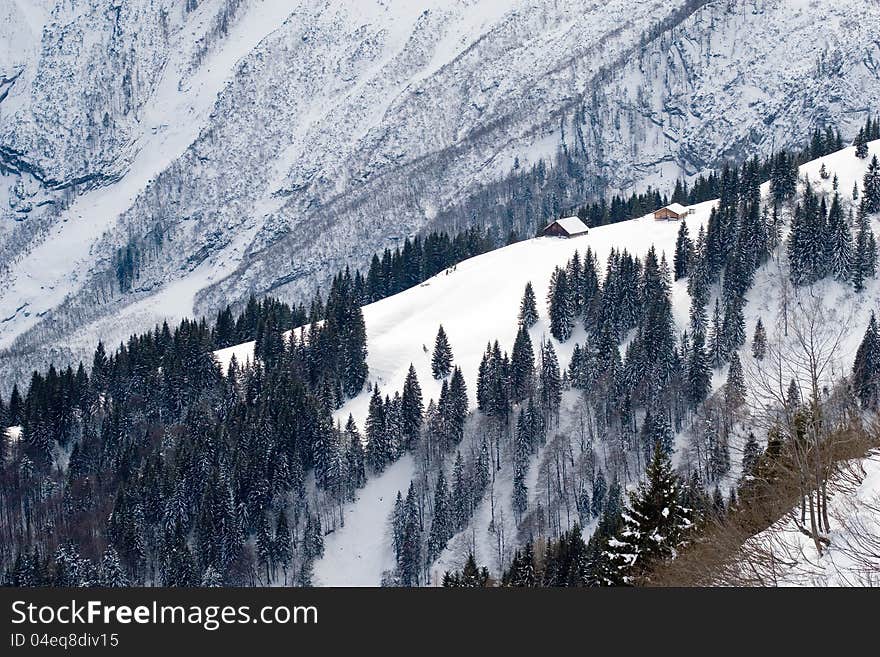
304 135
478 301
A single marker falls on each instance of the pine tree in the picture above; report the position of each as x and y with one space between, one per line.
550 381
460 503
865 252
717 344
409 559
698 288
355 458
840 242
793 395
600 489
735 389
522 366
394 438
282 545
528 308
412 407
441 361
759 341
471 576
861 144
112 573
211 579
871 260
264 545
683 250
520 466
655 522
866 368
456 409
699 374
871 187
751 455
378 449
522 568
589 292
733 326
324 453
560 306
441 523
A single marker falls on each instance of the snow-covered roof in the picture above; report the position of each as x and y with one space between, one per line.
677 208
571 225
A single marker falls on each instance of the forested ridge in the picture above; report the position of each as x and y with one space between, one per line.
156 467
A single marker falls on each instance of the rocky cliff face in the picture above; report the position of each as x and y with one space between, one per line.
238 146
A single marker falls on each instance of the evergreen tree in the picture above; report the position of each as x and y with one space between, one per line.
456 407
735 389
378 450
865 252
441 523
412 407
840 244
655 522
698 286
470 576
394 438
264 545
699 374
793 395
866 368
324 453
441 361
759 341
460 503
871 187
861 144
355 458
520 465
561 310
409 558
211 579
733 326
112 573
550 381
589 292
717 344
600 488
354 347
528 308
683 250
522 568
282 545
751 456
522 366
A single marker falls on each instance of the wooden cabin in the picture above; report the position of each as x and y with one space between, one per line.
671 212
567 227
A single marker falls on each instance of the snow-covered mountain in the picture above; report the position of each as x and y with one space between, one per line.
477 302
245 146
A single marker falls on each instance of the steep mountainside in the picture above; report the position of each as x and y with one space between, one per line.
477 303
237 146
